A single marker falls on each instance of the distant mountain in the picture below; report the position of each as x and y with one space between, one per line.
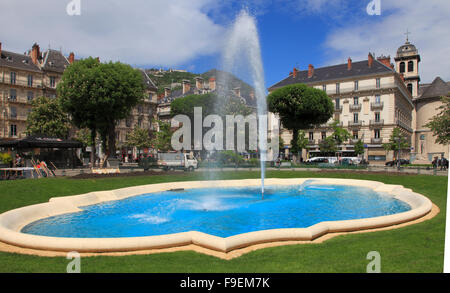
168 78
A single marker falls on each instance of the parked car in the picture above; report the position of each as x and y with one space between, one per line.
172 161
317 160
394 162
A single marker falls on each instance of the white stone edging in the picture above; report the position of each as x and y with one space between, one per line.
13 221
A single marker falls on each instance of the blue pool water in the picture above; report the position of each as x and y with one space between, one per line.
219 211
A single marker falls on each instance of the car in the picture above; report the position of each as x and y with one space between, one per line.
394 162
317 160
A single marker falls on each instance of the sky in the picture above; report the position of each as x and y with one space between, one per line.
190 34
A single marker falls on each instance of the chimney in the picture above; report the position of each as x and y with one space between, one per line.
294 73
199 83
385 60
310 71
35 53
0 49
370 60
186 86
349 63
237 91
166 92
212 83
71 57
290 73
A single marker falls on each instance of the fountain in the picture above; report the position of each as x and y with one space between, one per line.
242 53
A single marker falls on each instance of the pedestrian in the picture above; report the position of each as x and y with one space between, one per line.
18 162
435 162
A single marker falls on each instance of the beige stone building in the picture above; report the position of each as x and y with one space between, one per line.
370 100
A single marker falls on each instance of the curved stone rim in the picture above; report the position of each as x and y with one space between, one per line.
13 221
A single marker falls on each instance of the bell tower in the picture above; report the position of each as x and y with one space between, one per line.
407 63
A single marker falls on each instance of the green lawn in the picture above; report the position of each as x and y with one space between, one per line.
415 248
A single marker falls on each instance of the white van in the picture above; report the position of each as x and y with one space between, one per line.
172 161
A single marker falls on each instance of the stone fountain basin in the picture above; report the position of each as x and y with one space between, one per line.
13 221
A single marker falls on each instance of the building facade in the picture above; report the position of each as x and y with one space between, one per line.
370 100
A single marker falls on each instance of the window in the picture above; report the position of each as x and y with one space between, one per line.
410 66
311 136
338 103
52 81
378 83
355 134
13 130
377 117
338 90
410 88
30 96
402 67
12 95
13 78
376 158
140 109
13 112
355 117
324 87
355 101
377 99
376 133
324 134
356 85
30 80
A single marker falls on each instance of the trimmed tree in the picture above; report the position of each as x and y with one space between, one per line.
397 142
139 138
47 117
300 107
359 147
98 95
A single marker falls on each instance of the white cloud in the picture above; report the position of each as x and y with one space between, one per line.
427 20
156 32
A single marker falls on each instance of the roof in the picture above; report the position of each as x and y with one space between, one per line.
54 61
336 72
39 141
18 61
406 48
437 88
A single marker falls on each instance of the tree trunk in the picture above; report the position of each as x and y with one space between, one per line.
112 141
294 144
93 136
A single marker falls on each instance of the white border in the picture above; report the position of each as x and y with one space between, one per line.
12 222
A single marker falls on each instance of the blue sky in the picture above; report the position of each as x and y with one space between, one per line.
189 34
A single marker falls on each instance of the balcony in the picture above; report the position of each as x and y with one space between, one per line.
404 125
35 84
355 123
355 107
376 140
376 106
354 140
338 109
311 142
377 122
17 118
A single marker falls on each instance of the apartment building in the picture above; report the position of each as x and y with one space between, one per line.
370 100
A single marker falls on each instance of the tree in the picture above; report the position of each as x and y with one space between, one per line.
440 124
139 138
328 145
47 117
302 143
83 135
300 107
340 134
397 142
359 147
162 140
98 95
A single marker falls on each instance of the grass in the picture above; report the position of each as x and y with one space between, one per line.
415 248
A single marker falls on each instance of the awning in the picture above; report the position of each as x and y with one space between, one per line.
37 141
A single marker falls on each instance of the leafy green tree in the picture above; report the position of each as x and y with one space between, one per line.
397 142
98 95
83 135
340 134
359 147
440 124
328 145
162 140
47 117
300 107
139 138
